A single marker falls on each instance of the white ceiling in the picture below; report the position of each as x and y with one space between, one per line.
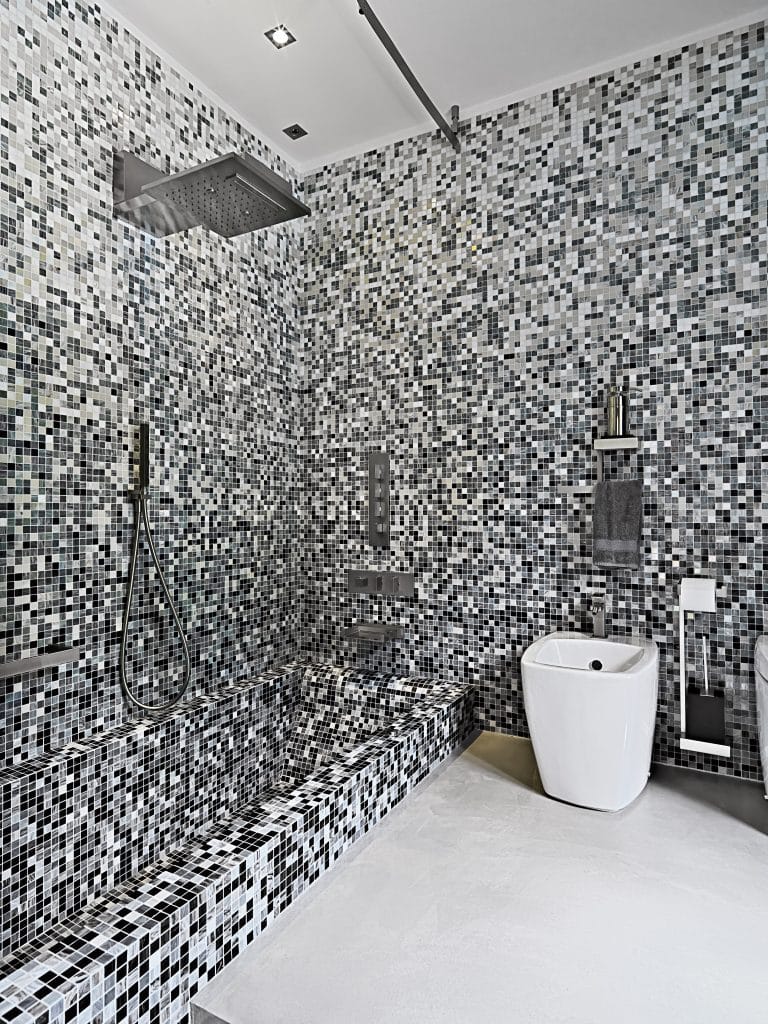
339 83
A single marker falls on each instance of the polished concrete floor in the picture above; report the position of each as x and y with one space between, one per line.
479 900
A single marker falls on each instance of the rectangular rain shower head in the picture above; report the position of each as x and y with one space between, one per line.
230 195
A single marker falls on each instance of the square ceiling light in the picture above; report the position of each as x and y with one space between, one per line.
280 37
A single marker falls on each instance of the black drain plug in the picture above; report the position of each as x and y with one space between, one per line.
596 665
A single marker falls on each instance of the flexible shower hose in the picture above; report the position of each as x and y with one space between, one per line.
142 516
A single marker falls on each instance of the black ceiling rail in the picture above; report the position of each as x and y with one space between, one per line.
449 131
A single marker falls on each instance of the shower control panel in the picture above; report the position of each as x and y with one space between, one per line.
378 499
371 581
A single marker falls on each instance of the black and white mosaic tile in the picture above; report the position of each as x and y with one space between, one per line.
81 821
465 313
334 713
139 953
105 327
462 313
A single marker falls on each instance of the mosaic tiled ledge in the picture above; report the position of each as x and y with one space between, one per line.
140 953
84 819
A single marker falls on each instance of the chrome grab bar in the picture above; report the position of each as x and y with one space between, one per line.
60 656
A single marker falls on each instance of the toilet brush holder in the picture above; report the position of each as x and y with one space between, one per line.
705 717
702 712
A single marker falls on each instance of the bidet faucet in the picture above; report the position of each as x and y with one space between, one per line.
597 611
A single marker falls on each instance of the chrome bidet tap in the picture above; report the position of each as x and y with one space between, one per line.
597 611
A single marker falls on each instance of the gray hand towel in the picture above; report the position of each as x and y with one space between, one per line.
617 523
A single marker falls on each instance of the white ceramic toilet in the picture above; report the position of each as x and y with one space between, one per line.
591 709
761 685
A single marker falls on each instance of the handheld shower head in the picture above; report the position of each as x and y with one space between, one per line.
140 501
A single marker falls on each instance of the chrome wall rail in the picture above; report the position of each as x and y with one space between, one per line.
20 665
374 632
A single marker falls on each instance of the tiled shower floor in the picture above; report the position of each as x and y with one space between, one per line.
480 901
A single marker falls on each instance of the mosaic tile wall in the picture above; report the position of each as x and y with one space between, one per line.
465 313
104 327
337 709
141 952
83 821
462 313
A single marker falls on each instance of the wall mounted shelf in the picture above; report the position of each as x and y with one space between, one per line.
612 444
373 632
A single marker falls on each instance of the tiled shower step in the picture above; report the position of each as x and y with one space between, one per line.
139 953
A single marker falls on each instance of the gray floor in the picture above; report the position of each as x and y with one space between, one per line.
480 900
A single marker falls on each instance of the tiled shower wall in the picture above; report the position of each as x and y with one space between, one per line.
104 327
88 818
465 313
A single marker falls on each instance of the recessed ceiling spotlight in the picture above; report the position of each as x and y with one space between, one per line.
280 37
295 131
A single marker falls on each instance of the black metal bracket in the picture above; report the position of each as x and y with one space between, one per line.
448 130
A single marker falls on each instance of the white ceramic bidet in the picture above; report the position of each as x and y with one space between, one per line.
591 709
761 683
